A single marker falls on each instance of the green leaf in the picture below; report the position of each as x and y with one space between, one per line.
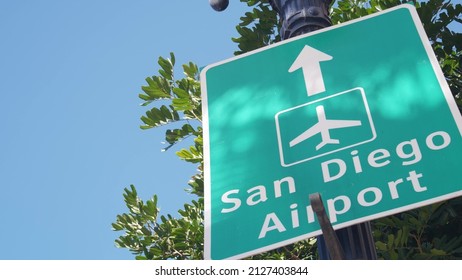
117 226
391 239
181 246
167 68
155 89
180 93
160 116
438 252
182 104
190 156
155 251
151 209
381 246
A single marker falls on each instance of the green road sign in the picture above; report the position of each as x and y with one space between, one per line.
359 112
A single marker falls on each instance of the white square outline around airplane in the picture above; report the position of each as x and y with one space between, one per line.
366 105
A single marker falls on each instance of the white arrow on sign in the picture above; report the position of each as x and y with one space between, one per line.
309 60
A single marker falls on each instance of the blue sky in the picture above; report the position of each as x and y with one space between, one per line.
70 140
71 72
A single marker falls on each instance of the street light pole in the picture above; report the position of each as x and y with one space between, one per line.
300 17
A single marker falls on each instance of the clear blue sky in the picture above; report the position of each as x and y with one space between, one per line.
70 140
71 72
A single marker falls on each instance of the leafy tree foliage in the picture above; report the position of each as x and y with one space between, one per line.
258 28
432 232
151 236
148 234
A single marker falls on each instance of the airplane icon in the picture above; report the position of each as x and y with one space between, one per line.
323 126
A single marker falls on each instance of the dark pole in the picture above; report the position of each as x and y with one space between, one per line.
300 17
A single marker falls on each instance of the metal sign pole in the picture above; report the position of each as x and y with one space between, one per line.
301 17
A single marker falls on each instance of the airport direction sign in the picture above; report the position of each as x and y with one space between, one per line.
359 112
